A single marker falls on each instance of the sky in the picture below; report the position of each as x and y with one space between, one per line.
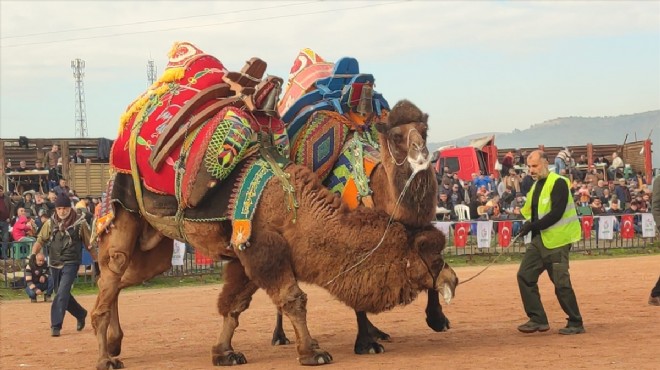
489 66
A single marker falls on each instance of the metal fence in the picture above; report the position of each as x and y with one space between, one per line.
588 244
14 257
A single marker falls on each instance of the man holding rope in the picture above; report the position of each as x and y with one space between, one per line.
554 224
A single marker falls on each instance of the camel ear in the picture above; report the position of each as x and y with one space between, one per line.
382 127
425 118
430 241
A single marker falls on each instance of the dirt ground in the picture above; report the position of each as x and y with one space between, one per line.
175 328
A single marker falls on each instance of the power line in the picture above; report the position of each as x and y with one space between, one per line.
157 20
201 26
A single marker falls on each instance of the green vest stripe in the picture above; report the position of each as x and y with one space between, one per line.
567 230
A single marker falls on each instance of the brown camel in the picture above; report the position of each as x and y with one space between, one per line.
415 209
138 247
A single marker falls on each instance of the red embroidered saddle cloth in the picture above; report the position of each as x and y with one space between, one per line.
188 72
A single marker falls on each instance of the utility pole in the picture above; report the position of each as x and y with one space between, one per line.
151 72
78 67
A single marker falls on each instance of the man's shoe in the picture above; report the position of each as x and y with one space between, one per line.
46 298
34 300
81 322
54 332
654 301
571 330
532 327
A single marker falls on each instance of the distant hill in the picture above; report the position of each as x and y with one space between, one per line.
577 131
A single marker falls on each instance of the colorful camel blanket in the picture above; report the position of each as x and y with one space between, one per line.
209 151
188 72
322 116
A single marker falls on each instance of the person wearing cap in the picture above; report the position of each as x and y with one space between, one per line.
65 233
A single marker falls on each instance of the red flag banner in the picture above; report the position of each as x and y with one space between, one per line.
627 230
201 259
587 225
461 230
504 231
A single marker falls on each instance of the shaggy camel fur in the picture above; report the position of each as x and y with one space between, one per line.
416 208
281 254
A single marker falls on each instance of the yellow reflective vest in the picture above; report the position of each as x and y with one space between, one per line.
565 231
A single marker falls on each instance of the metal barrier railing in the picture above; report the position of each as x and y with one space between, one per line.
13 256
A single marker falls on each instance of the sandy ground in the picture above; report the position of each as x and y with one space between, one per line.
175 328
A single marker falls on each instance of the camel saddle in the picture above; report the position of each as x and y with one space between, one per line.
191 128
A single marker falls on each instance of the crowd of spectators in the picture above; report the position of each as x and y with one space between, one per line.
491 197
30 201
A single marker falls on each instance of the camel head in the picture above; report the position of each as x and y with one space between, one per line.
439 276
403 137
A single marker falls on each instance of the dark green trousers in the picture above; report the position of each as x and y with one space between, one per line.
537 259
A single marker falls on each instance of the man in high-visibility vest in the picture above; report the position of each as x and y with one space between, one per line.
554 224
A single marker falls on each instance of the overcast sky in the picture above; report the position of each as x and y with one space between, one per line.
473 66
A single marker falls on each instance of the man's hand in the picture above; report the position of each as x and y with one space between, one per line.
38 291
525 229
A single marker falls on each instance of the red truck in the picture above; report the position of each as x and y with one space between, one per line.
480 156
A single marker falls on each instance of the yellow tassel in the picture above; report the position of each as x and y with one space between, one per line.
172 74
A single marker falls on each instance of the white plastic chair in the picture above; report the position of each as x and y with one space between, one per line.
462 212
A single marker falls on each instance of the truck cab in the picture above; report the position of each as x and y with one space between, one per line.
480 156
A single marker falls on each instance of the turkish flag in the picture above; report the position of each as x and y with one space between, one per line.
461 230
587 225
504 233
201 259
627 230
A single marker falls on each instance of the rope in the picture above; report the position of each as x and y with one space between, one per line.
389 224
491 262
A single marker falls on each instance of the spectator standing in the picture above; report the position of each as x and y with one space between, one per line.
616 166
37 278
507 164
654 298
53 157
562 160
553 222
65 233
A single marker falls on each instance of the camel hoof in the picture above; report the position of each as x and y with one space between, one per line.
114 363
438 323
368 348
378 334
320 357
229 359
280 340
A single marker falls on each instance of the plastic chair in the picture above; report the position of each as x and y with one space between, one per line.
462 212
21 250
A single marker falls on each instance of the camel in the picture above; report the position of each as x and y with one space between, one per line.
286 246
281 253
135 250
415 209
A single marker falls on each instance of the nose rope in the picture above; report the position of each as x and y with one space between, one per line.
491 263
417 146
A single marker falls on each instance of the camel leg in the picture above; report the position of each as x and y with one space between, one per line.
115 252
435 318
234 298
366 341
269 257
142 266
279 337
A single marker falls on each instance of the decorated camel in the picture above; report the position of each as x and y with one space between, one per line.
202 171
330 110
